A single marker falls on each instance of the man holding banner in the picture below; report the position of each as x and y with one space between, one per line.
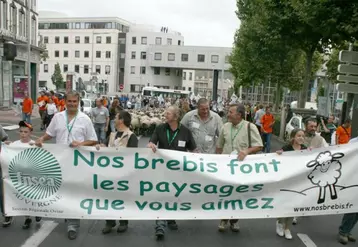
239 138
74 128
173 136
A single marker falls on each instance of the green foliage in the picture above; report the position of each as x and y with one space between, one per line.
57 78
284 39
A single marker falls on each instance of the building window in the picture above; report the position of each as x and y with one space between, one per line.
167 71
65 40
214 58
57 40
108 39
179 42
169 41
136 88
189 88
184 57
184 75
98 39
134 40
132 70
122 41
190 76
171 56
65 68
108 54
201 58
142 70
156 71
77 68
57 53
108 70
65 53
184 88
143 55
85 69
158 41
86 40
45 40
123 56
21 22
98 54
13 18
78 25
77 54
77 39
98 69
86 54
46 68
227 59
144 40
3 16
133 54
158 56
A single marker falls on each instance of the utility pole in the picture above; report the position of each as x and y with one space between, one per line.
29 48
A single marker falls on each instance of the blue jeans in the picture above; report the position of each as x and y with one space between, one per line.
348 223
26 117
267 142
101 135
113 125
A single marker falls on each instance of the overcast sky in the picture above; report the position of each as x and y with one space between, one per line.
201 22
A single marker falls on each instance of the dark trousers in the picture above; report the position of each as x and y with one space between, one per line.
233 221
161 224
348 223
113 222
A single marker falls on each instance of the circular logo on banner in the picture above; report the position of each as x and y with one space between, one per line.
35 173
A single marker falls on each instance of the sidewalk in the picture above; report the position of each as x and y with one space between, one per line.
13 115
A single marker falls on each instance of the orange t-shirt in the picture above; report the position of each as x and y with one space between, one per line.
55 100
42 98
61 105
343 135
27 105
266 121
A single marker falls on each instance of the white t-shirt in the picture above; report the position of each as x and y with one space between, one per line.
82 128
19 143
51 109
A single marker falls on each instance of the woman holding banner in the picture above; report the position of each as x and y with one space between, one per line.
124 137
173 136
297 138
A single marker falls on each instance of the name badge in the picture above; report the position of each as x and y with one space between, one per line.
196 125
181 144
208 138
102 113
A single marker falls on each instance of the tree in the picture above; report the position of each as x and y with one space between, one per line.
57 78
285 28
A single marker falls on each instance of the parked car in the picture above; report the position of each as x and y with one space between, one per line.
87 106
295 122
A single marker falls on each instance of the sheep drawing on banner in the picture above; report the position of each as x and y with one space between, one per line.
326 172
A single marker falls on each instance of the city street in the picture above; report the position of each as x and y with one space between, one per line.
310 231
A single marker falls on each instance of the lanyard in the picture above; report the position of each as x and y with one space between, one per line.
237 132
170 141
68 124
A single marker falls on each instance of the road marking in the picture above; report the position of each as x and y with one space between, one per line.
306 240
11 127
38 237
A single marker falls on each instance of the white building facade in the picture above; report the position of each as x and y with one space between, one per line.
87 47
15 28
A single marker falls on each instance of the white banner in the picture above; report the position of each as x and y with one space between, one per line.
61 182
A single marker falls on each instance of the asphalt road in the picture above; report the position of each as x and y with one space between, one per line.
310 231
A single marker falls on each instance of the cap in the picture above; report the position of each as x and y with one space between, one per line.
24 124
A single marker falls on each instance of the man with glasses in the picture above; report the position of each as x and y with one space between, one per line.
74 128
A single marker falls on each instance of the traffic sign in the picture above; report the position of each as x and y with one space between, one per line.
121 86
348 69
349 88
348 56
347 78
